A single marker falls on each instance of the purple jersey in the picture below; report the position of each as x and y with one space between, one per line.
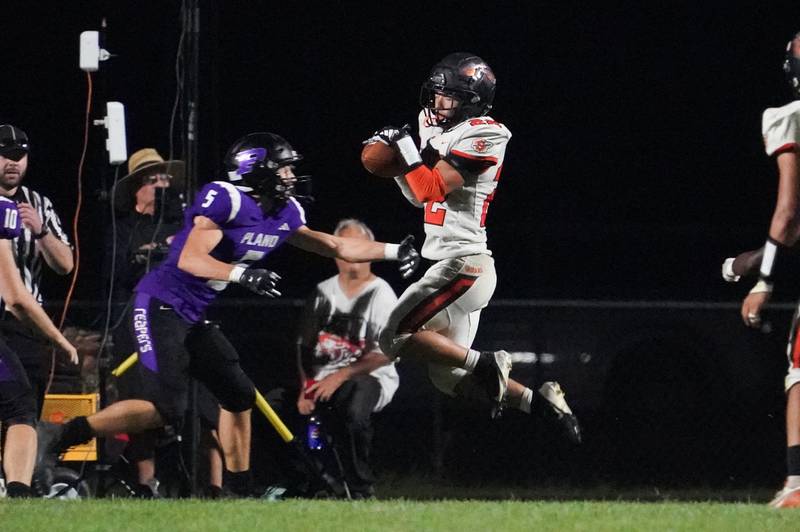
10 225
248 236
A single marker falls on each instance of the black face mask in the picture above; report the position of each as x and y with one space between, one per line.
273 193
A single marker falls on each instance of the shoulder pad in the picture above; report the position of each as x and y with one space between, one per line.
10 225
219 201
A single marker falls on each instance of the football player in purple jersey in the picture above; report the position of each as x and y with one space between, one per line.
227 233
18 410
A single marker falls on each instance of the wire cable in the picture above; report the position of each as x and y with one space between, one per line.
75 232
111 278
171 153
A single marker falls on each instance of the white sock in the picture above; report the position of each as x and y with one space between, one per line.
793 481
471 360
526 400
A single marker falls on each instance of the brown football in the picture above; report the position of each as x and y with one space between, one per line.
381 160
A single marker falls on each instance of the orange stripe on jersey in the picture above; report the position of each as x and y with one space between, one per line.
796 347
487 158
789 146
431 305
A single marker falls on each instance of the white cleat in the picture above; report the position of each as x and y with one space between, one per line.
551 402
786 498
502 362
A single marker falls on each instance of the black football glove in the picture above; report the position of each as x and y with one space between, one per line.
260 281
408 257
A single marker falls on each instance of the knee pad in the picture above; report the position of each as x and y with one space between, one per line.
446 378
240 397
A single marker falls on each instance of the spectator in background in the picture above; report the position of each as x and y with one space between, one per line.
340 363
138 241
42 240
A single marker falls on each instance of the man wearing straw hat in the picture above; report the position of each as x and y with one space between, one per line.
138 238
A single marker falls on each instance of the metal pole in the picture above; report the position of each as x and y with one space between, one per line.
191 82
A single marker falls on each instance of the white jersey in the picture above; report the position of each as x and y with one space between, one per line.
343 329
781 128
476 147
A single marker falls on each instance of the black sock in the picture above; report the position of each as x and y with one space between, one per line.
240 482
793 460
213 492
485 366
18 489
75 432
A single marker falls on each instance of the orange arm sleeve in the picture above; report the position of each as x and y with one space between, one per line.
426 184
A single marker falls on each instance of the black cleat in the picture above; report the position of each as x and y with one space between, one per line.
148 490
48 436
549 401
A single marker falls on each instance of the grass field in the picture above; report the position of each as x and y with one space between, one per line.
387 515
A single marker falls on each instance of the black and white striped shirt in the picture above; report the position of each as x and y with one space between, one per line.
27 256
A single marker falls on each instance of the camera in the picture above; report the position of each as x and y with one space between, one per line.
169 205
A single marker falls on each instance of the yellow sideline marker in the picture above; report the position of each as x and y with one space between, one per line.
273 418
126 364
261 403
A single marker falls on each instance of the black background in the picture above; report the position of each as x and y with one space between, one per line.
635 168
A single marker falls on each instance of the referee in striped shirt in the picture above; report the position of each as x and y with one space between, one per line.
42 241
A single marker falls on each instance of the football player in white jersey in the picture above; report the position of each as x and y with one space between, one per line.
781 130
453 175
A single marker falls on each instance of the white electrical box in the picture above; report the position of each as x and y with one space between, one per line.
116 144
90 51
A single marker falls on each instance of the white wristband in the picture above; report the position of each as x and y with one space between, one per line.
408 151
391 251
236 274
761 287
768 259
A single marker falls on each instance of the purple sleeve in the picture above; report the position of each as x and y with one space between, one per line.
218 201
10 225
295 215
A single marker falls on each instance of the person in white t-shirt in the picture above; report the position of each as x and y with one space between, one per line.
340 363
781 131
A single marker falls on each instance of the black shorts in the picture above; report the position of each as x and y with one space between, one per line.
17 404
172 350
129 384
33 352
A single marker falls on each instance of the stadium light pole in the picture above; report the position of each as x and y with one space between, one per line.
191 83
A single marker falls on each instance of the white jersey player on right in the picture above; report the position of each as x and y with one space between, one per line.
454 179
780 128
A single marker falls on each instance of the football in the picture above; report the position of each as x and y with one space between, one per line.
381 160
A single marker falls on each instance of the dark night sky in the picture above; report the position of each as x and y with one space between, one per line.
636 164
